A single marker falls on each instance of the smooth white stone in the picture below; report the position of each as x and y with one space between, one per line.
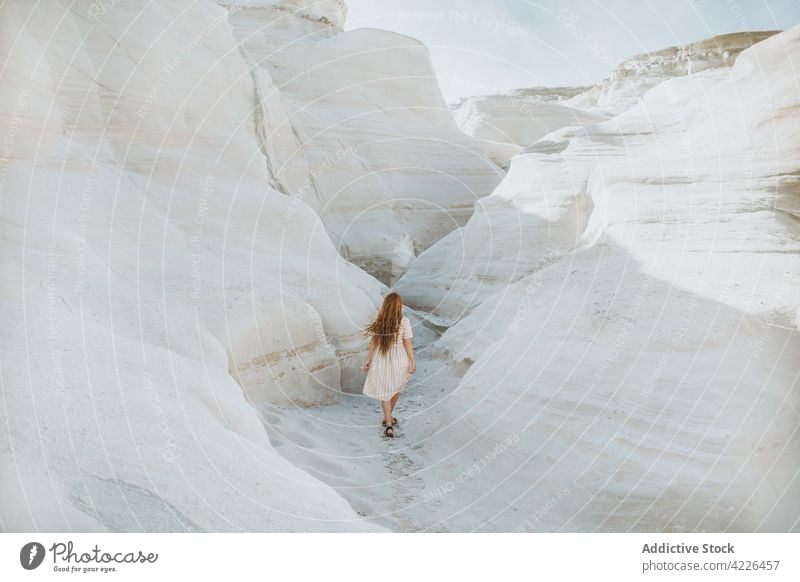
646 380
364 136
146 262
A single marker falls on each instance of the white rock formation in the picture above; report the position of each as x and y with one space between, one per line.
632 78
509 122
599 398
144 258
179 180
533 218
647 380
355 125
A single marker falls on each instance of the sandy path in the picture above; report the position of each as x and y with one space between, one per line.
342 444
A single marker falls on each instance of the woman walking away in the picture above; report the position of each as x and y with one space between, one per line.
390 360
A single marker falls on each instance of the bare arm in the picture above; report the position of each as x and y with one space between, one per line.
412 362
371 351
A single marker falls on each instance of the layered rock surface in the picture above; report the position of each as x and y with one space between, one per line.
355 125
510 122
148 265
647 379
632 78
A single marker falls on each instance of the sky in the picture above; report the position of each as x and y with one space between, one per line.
487 46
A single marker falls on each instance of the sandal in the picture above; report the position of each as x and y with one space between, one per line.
394 422
389 432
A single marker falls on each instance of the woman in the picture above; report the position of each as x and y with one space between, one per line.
390 360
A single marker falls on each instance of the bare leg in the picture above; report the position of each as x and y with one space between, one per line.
394 402
387 411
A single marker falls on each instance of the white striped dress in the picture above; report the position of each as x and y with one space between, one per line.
388 373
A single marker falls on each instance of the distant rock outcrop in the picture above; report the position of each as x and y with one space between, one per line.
509 122
634 76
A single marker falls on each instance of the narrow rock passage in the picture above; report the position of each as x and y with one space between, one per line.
343 445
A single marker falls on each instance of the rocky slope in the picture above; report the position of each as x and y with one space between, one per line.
355 125
508 123
148 265
628 333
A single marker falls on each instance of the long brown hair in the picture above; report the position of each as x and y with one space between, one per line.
386 325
